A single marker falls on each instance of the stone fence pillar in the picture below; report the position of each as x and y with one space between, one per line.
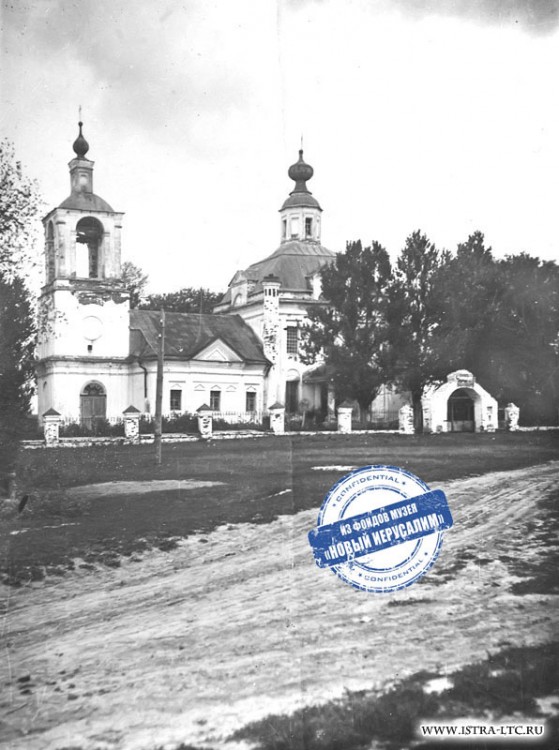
205 421
51 427
345 411
405 420
131 418
512 413
277 418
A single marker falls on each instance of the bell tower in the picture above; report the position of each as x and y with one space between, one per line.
83 233
84 306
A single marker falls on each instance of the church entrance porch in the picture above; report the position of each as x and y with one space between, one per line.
460 411
93 404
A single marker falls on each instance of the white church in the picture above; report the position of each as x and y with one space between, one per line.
97 357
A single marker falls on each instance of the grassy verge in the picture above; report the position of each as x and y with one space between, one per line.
506 684
54 528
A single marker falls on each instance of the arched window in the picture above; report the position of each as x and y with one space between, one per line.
93 404
89 236
50 263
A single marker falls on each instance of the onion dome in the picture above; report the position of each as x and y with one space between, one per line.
300 172
80 145
300 196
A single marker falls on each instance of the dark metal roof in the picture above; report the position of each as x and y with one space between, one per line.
301 199
293 262
86 202
187 334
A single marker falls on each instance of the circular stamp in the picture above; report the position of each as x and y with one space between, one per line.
380 528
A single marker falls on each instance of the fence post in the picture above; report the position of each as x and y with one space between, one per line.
277 418
405 420
345 411
204 414
512 413
51 427
131 417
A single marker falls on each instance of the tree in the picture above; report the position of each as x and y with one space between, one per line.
470 290
524 354
20 204
415 315
19 207
17 343
135 281
350 331
187 300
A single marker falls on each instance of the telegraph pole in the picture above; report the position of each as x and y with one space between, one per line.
159 390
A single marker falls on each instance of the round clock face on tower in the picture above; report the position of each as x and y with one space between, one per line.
92 328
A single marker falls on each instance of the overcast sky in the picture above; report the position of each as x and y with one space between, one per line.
437 115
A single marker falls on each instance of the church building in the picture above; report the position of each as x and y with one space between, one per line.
97 357
274 295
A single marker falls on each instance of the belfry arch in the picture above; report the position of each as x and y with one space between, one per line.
89 242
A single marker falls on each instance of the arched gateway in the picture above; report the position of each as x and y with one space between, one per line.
459 405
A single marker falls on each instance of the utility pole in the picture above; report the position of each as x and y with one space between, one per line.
159 391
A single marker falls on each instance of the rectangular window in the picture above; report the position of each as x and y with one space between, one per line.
294 227
250 401
284 229
308 227
176 400
292 339
215 400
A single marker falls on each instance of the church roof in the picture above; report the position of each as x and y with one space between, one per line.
86 202
187 334
307 200
292 263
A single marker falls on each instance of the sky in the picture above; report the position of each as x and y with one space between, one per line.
438 115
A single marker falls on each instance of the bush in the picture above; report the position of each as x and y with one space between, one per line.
99 427
223 425
179 423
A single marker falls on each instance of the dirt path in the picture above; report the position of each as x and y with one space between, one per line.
110 489
189 645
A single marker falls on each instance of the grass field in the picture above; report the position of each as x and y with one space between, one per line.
256 481
179 607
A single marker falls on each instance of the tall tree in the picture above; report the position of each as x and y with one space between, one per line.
415 315
470 290
19 207
524 353
135 281
20 204
350 331
187 300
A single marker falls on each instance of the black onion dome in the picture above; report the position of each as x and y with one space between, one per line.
80 145
300 172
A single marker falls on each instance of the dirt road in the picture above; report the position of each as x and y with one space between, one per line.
189 645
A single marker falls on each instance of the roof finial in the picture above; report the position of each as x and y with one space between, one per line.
301 142
80 114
